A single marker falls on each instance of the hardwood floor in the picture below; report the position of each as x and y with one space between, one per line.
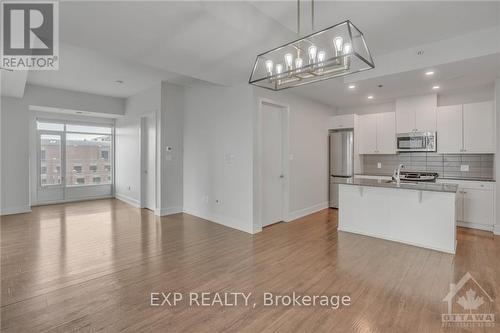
91 266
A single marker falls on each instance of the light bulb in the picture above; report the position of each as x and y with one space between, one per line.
338 42
347 48
298 63
279 68
269 67
321 56
312 53
288 60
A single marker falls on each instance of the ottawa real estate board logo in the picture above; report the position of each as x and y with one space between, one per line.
30 35
468 305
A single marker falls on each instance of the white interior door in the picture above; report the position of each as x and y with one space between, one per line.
149 162
272 166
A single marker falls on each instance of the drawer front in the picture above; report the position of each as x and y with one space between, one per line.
478 185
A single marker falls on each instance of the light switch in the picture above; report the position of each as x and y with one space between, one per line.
379 165
464 167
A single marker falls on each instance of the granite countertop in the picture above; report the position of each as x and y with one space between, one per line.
451 178
419 186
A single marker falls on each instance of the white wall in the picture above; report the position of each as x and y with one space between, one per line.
496 229
14 160
468 95
128 144
308 145
166 101
218 124
366 109
16 127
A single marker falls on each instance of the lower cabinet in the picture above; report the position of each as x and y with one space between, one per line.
475 204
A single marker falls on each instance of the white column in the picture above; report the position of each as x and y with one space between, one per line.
497 156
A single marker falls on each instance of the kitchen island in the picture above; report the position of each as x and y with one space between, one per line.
419 214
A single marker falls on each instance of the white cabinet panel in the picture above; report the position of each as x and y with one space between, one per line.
367 134
386 133
478 206
416 114
342 121
479 122
449 129
405 116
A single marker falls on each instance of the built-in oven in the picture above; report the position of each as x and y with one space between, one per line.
416 141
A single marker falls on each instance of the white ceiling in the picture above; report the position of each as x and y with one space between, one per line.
142 42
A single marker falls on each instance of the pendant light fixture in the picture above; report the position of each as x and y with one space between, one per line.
333 52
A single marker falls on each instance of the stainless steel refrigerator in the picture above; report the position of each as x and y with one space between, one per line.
341 161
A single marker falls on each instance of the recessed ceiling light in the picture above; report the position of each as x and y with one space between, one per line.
352 86
435 87
370 97
429 73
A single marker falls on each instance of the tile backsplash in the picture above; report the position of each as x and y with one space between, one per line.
463 166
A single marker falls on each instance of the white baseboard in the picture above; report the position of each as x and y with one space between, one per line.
475 226
168 211
127 199
56 202
219 219
15 210
496 230
297 214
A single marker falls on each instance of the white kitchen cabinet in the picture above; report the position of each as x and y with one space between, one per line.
449 129
466 129
475 203
478 207
416 114
342 121
367 134
386 133
479 127
377 133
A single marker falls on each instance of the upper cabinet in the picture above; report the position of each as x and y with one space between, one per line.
377 133
468 128
416 114
342 121
479 127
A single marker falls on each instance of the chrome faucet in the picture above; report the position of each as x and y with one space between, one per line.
396 175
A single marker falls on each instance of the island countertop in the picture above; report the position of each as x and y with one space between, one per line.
419 186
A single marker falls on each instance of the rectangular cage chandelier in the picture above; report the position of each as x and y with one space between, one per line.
333 52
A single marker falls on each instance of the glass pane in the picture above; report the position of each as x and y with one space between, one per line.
88 159
88 129
49 126
50 159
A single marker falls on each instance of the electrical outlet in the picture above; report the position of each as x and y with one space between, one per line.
379 165
464 167
205 199
128 188
217 201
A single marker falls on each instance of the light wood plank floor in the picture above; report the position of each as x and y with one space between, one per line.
91 266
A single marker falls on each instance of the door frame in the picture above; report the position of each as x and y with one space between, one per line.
143 161
258 162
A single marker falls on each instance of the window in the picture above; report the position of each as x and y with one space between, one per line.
105 154
50 158
87 153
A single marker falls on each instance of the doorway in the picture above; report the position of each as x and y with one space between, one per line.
274 162
148 162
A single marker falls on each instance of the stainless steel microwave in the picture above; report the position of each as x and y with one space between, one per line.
416 141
